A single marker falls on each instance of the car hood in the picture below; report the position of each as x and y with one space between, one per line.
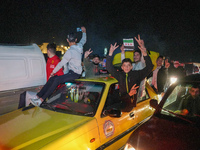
19 128
157 133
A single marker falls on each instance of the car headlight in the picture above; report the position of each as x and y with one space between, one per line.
129 147
173 80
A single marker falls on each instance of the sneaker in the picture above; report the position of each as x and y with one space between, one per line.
36 102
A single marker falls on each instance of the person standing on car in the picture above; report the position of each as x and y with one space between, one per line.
72 57
129 79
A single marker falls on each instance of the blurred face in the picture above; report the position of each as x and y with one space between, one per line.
194 92
159 62
48 53
137 57
126 67
96 60
176 65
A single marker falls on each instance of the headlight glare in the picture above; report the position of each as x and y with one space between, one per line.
129 147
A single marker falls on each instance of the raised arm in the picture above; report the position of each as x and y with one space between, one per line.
141 45
83 39
87 53
149 66
122 52
86 60
112 49
109 65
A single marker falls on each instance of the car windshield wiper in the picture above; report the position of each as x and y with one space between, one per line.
28 107
48 105
182 118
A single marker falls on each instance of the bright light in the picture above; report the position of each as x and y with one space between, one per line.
68 84
173 80
129 147
160 96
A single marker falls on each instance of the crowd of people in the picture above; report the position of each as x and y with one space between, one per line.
131 78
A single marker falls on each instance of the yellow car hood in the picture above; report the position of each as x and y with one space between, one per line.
20 129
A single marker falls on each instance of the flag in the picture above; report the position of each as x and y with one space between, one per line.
128 44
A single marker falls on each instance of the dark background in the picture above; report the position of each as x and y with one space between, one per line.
168 27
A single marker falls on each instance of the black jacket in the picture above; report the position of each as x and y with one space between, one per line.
161 79
134 76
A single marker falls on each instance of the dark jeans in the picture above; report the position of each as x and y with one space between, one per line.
53 82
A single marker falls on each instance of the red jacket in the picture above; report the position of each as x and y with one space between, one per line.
51 64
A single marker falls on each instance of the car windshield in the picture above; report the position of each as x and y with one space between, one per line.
183 102
80 98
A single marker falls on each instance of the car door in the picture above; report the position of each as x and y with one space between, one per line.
114 131
143 110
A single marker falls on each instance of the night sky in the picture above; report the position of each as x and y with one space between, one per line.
171 28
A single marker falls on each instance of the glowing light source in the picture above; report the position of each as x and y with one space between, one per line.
173 80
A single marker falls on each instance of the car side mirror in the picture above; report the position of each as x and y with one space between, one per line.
153 103
113 112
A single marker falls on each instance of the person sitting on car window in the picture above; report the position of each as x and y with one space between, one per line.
129 79
191 102
92 68
139 63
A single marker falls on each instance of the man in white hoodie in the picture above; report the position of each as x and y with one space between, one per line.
72 58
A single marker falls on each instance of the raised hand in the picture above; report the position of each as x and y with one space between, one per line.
87 53
83 29
167 64
141 45
133 90
139 41
113 48
143 50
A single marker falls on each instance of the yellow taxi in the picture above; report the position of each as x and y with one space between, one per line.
79 115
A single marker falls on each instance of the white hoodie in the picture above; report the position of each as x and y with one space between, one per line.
73 57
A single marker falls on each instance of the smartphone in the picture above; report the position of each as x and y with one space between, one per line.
78 29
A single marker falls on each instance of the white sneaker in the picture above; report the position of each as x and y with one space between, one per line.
36 102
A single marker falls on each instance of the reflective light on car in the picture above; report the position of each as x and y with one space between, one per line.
129 147
173 80
68 84
160 96
92 140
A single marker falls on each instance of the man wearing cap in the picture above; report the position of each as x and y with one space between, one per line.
91 68
72 57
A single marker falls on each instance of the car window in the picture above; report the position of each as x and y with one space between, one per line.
113 98
81 98
142 98
184 100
